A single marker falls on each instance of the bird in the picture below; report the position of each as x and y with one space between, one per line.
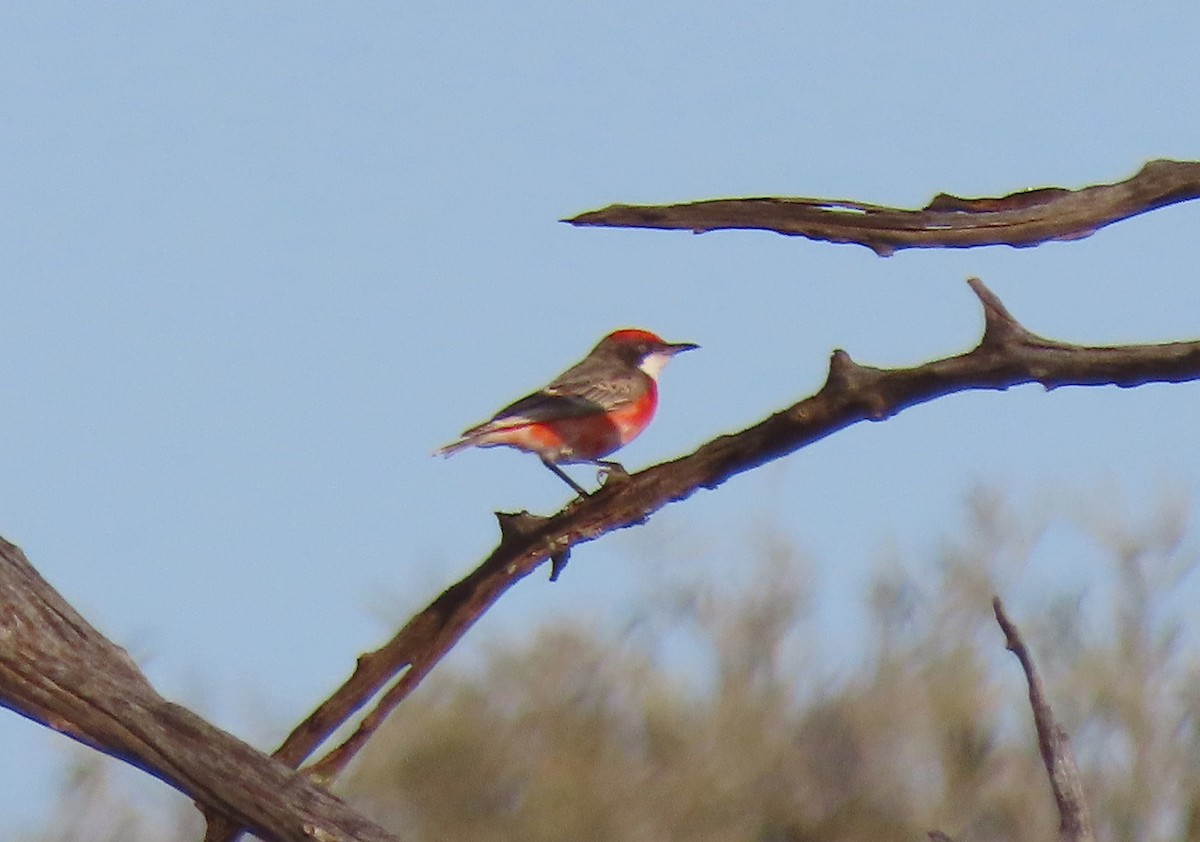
592 409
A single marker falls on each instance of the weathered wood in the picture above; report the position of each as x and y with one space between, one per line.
1026 218
56 669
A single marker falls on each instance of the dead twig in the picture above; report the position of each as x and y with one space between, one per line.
1074 820
1026 218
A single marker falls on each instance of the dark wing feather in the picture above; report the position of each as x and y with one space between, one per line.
542 406
584 389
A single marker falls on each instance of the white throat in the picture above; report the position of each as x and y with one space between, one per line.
654 363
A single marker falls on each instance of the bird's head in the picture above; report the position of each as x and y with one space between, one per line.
642 349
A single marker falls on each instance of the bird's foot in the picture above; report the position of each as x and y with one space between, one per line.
611 472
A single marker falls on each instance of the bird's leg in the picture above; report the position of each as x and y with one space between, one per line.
563 476
611 470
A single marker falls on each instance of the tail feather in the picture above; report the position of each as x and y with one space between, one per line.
454 446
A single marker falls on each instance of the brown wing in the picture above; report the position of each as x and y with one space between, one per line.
602 382
584 389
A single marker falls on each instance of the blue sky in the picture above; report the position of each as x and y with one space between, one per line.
260 259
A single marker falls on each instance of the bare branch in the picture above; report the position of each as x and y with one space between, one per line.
1074 820
58 670
1027 218
1007 355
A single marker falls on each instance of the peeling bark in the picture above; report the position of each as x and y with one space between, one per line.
1026 218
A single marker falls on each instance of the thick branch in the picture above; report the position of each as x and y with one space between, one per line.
1026 218
1074 820
1006 356
58 670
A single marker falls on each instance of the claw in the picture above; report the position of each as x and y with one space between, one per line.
611 472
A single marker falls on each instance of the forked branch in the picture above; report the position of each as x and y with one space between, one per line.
1027 218
1007 355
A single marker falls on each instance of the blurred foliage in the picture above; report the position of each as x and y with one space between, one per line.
732 712
573 735
103 800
